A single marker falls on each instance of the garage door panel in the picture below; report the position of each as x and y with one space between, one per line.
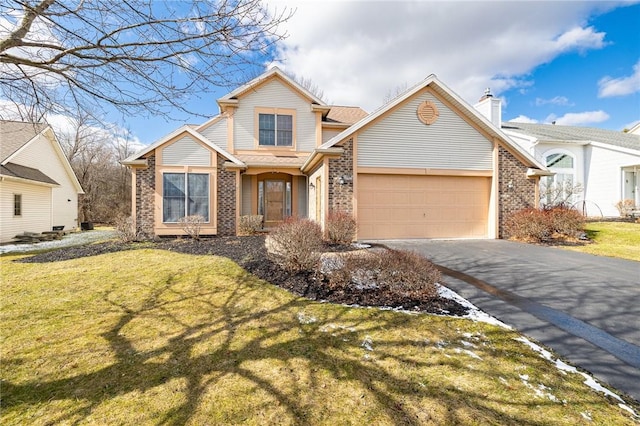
406 206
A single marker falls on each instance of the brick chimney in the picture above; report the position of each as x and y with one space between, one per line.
490 107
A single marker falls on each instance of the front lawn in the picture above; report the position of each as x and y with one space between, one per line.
154 337
613 239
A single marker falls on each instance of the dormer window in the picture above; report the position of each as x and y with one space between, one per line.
275 130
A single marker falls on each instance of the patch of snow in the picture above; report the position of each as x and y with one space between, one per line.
474 313
586 415
467 344
468 352
367 343
360 245
589 380
306 319
73 239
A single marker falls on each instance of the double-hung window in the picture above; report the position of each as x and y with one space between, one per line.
184 194
275 130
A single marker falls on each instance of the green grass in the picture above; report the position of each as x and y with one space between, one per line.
613 239
154 337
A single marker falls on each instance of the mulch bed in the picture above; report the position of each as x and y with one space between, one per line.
250 253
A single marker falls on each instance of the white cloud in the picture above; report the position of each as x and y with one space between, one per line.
556 100
579 118
524 119
358 51
622 86
580 39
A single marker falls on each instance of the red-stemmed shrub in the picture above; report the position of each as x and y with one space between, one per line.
341 227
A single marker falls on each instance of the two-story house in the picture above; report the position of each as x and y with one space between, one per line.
425 165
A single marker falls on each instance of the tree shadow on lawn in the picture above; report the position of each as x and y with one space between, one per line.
285 360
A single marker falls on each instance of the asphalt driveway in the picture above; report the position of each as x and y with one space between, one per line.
585 307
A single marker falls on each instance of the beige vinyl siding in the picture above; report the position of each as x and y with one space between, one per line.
36 209
246 195
302 195
315 195
274 94
186 152
217 133
42 155
399 139
328 134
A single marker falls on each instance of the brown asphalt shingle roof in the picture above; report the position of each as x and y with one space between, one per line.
345 114
14 134
24 172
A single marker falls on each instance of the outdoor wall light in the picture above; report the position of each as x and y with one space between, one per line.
311 185
510 184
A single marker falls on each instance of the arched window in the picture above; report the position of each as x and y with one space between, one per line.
561 188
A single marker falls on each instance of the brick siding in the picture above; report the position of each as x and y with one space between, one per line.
341 195
145 190
521 194
226 199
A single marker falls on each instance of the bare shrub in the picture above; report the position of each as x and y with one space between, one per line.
128 232
250 224
540 225
192 225
295 245
625 207
565 221
528 225
341 227
392 274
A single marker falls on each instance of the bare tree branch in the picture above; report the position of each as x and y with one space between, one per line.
139 56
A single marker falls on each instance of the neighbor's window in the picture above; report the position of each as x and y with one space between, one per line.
184 194
17 204
561 187
275 130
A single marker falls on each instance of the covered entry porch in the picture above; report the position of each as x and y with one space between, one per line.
274 194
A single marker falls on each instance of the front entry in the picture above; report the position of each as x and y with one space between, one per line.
274 199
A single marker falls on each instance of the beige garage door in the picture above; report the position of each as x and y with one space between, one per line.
405 206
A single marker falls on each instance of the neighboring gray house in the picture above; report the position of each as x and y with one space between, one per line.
38 188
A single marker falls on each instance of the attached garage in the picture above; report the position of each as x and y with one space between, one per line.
419 206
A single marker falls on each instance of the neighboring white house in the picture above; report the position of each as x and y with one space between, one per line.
38 188
606 163
635 130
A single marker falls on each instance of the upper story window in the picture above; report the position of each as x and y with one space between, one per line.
275 130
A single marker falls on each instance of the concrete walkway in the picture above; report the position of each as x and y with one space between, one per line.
586 308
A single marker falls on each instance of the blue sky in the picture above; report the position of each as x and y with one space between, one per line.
573 62
576 63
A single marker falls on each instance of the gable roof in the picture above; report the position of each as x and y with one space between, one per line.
16 134
131 160
274 72
574 134
28 173
445 92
